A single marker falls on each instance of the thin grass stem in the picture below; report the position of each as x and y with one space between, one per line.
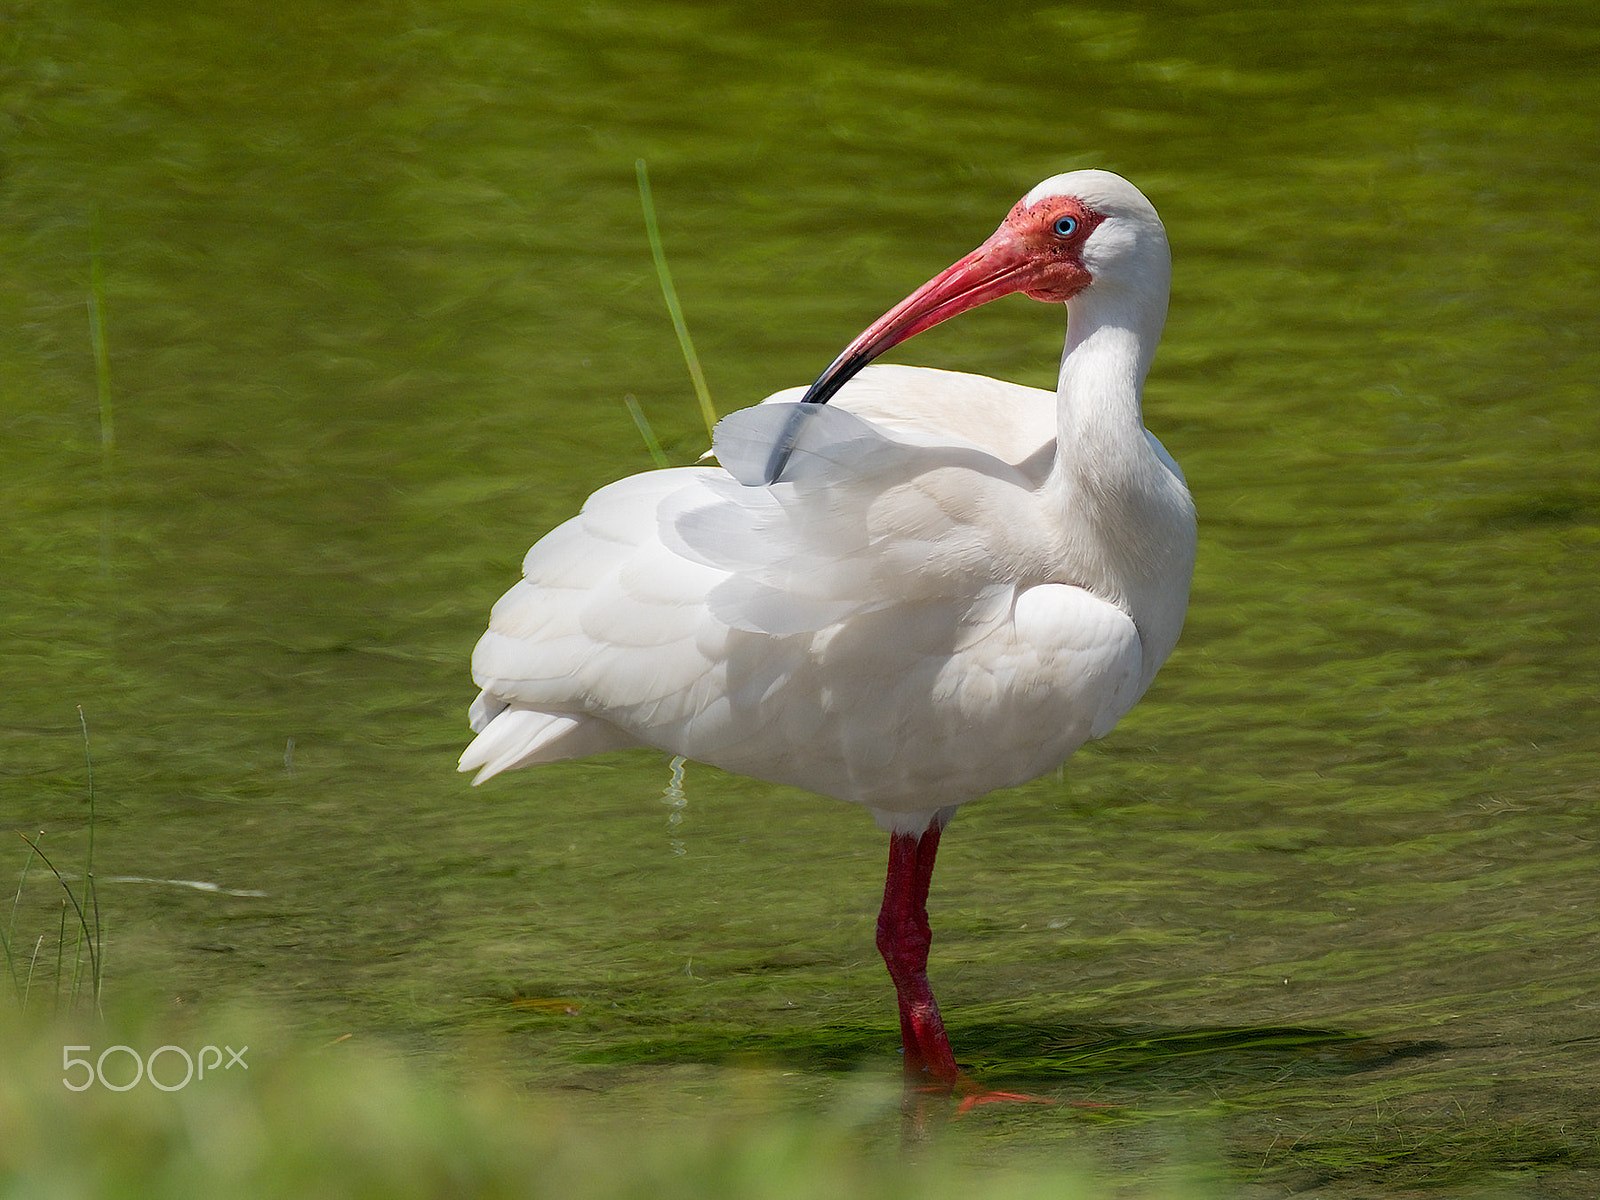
94 955
97 339
652 443
90 888
61 953
33 961
10 930
707 412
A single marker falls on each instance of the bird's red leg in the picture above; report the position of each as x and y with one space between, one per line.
903 940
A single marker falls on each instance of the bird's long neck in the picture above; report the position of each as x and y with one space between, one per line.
1127 518
1111 342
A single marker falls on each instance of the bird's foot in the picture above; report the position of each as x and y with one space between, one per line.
972 1094
969 1093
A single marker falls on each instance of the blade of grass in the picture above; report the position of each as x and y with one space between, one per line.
97 339
652 443
94 954
10 930
90 888
61 953
102 380
669 293
33 961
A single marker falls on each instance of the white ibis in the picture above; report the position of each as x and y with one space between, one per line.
939 585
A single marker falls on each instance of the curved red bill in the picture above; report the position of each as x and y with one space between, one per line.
1002 265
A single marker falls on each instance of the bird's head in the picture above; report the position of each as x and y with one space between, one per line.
1075 234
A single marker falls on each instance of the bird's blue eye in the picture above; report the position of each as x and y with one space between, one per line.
1066 226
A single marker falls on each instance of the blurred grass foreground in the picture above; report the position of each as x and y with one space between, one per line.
351 1119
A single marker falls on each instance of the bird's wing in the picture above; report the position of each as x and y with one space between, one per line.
861 518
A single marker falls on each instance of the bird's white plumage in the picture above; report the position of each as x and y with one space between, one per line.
930 603
870 627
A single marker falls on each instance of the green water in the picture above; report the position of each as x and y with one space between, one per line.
373 286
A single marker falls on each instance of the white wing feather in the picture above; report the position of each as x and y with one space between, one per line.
1016 424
